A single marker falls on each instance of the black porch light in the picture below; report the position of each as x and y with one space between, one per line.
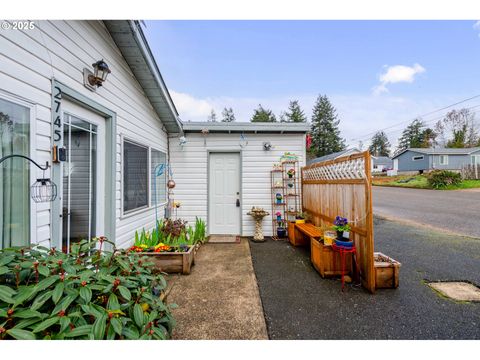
42 190
100 73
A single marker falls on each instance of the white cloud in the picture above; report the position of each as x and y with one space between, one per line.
190 107
397 74
476 26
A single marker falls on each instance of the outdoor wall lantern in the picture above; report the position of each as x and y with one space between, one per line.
42 190
99 75
182 141
267 146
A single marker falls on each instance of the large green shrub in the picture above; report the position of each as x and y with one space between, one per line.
440 179
87 294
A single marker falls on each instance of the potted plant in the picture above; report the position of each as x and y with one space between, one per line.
279 198
279 215
281 230
291 173
300 218
342 227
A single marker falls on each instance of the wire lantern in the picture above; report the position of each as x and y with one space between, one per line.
43 190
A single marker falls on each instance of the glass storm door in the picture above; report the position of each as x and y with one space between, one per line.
79 201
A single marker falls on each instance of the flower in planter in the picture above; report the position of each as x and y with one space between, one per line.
341 224
161 247
278 213
291 172
176 204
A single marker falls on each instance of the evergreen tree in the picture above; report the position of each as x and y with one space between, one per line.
380 145
414 136
228 115
212 117
325 133
263 115
295 113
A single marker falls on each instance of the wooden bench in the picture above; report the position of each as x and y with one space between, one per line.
300 234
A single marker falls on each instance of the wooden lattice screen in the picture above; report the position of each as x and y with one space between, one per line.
342 187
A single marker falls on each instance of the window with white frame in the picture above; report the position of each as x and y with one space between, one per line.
417 158
158 166
443 159
145 174
135 176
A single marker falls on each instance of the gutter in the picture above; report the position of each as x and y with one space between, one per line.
152 65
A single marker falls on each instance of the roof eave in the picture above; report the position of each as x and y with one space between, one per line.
131 41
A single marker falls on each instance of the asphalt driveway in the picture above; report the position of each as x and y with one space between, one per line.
299 304
455 211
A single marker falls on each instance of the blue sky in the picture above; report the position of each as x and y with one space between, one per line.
376 73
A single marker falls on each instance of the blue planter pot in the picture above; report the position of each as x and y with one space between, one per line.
281 232
345 244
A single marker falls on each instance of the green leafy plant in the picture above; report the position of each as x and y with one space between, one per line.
440 179
200 231
89 293
170 235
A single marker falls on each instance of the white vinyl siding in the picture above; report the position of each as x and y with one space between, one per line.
190 167
61 49
475 159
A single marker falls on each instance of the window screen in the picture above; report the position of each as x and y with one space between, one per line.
159 177
135 176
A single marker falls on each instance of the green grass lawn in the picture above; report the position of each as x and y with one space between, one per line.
420 182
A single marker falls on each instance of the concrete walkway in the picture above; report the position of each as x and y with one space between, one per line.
220 298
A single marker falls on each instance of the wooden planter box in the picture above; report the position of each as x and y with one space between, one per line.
173 262
386 272
295 237
326 261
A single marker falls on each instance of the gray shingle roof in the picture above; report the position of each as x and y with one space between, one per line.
441 151
333 155
247 127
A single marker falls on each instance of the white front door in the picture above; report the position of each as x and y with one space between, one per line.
224 194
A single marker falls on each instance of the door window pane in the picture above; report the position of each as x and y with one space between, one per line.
159 177
135 176
14 175
79 179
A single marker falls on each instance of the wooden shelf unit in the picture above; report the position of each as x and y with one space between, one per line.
276 176
292 194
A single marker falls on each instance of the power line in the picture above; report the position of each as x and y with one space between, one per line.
425 122
419 116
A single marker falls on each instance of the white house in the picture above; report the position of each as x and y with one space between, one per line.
105 143
221 163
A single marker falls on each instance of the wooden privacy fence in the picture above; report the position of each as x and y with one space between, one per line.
343 187
471 172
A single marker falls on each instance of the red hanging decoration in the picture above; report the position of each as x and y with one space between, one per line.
308 141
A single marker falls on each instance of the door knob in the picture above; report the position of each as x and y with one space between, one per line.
238 202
